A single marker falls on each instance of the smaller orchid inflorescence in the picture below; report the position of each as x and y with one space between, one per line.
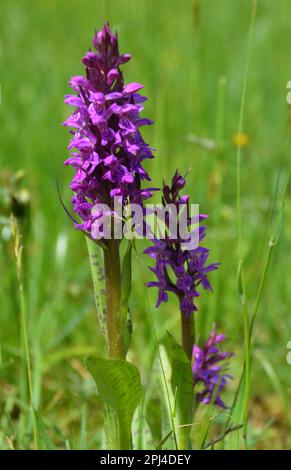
189 267
183 272
206 370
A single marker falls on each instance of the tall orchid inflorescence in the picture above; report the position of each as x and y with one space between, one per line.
107 154
107 149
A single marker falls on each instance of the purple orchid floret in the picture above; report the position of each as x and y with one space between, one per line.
179 270
107 149
207 371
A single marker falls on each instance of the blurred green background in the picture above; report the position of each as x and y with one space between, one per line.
186 53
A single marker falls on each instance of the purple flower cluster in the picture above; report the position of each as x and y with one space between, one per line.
107 149
179 270
206 370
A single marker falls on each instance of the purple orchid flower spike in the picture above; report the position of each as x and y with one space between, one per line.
180 271
207 371
107 149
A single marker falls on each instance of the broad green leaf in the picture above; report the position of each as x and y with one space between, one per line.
182 388
119 388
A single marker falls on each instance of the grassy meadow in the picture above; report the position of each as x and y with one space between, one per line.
191 57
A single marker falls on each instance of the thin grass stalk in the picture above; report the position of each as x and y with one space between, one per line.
242 287
219 139
18 249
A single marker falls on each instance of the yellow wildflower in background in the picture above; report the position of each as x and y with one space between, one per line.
240 139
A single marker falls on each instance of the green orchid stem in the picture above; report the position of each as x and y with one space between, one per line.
188 338
187 333
115 340
116 439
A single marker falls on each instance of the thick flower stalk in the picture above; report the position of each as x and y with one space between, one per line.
107 154
178 270
208 372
